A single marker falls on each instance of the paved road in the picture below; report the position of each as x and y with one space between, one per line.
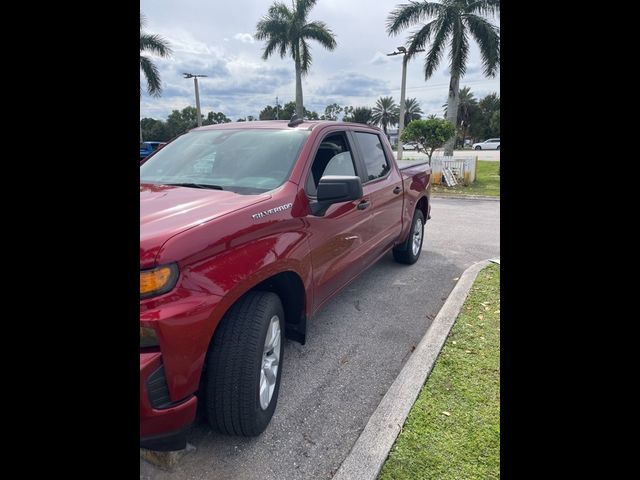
356 347
490 155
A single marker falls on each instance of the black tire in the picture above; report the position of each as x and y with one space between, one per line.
478 148
234 365
404 253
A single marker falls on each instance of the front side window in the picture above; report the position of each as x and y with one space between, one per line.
374 158
245 161
332 158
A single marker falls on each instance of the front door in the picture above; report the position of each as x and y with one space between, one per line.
338 239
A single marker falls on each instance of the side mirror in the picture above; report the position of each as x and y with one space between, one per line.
336 189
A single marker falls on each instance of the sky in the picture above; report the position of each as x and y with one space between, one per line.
216 38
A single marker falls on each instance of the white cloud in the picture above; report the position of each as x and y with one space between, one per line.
244 37
379 58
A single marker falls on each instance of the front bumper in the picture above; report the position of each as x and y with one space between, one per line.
162 426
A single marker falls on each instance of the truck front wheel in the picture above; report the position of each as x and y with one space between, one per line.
244 366
409 251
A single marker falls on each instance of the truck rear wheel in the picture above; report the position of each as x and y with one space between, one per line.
409 251
244 366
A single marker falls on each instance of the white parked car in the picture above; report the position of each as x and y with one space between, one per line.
410 146
490 144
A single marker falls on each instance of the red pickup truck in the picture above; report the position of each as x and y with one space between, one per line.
246 230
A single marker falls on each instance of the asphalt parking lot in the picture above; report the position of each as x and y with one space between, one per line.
356 347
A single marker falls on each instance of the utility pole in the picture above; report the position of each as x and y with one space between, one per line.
195 83
402 51
277 106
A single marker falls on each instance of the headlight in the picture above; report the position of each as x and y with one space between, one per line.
158 280
148 337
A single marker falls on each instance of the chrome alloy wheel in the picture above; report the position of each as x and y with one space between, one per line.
270 362
417 237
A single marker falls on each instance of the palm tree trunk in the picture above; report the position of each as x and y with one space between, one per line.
299 102
452 112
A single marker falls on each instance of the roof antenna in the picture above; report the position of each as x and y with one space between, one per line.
295 121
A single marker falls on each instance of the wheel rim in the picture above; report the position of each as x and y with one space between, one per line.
417 237
270 362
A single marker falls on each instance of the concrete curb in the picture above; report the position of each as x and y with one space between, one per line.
467 197
370 451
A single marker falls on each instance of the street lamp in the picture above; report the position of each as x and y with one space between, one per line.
195 82
402 51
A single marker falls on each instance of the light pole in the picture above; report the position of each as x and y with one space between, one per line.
195 82
402 51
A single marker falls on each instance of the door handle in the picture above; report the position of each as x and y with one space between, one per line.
397 190
363 204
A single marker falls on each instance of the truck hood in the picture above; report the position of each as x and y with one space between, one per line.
167 210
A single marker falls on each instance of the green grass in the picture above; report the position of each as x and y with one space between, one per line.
487 182
453 429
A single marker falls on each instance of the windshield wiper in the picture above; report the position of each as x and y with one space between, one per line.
196 185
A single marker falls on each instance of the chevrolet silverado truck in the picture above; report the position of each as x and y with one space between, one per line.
246 231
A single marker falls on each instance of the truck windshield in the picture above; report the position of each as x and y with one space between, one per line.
245 161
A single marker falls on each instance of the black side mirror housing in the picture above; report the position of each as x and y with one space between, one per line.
336 189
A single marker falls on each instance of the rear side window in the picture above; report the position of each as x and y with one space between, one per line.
373 155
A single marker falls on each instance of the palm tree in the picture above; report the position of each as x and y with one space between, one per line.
453 22
412 110
159 46
359 115
386 112
467 107
286 30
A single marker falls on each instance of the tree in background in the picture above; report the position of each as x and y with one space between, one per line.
214 118
154 129
452 22
358 115
159 46
468 112
287 31
177 123
385 113
181 121
412 110
269 113
489 107
288 109
331 112
429 134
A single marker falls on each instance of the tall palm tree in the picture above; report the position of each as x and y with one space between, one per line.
157 45
385 113
286 30
412 110
452 23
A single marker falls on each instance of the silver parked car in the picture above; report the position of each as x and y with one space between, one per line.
490 144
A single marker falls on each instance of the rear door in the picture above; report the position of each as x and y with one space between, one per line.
383 186
340 239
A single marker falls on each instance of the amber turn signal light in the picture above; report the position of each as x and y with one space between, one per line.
158 280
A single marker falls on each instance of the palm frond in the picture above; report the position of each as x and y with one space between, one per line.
155 44
154 86
434 54
305 57
419 39
484 7
320 32
407 14
459 51
303 7
488 38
